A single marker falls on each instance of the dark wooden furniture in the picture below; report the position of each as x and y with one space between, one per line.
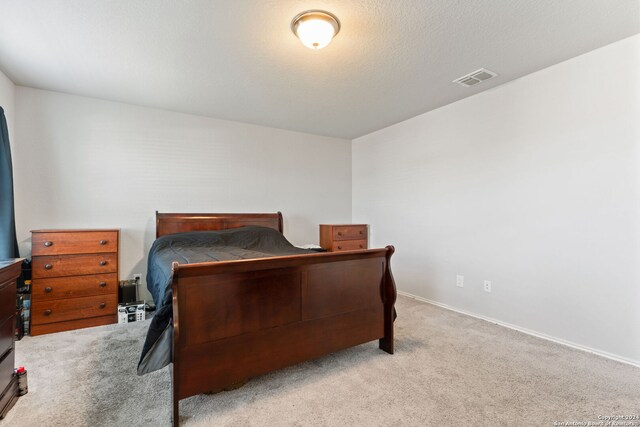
234 320
343 237
75 279
9 273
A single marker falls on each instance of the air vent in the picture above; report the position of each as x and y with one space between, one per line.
476 77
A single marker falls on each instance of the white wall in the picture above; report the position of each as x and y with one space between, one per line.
82 162
534 185
7 102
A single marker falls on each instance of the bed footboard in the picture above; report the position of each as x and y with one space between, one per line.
235 320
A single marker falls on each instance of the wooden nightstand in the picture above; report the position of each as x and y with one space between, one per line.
344 237
75 279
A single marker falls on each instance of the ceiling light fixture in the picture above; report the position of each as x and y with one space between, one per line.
315 28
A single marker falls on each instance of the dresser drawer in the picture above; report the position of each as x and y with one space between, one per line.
74 286
7 331
9 397
349 245
349 232
73 242
75 308
72 265
7 300
6 367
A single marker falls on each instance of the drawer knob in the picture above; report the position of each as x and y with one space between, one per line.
339 233
103 262
360 246
48 289
103 242
102 305
339 247
48 266
48 243
361 232
47 312
102 284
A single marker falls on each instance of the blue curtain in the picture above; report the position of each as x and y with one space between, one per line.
8 241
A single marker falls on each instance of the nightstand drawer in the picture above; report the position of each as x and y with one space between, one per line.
74 286
349 232
349 245
59 243
72 265
74 308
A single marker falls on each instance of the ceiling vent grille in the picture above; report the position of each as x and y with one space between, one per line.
476 77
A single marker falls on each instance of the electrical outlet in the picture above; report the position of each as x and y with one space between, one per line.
137 277
487 285
460 281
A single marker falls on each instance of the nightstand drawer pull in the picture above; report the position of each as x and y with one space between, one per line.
48 289
102 305
339 247
103 262
48 243
48 266
103 242
339 233
360 246
47 312
102 284
361 232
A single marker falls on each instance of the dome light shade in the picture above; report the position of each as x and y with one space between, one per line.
315 28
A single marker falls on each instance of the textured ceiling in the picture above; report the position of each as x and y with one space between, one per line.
238 60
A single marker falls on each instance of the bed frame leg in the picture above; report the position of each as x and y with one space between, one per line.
386 342
175 402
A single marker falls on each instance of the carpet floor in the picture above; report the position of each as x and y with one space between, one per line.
449 369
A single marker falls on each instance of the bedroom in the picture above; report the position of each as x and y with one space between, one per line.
529 181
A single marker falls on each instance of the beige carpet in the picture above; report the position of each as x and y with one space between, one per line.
449 369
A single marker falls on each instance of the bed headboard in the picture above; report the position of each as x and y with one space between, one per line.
169 223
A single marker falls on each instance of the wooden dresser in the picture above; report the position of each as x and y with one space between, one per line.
74 279
343 237
9 273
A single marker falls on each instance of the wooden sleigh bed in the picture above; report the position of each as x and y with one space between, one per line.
234 320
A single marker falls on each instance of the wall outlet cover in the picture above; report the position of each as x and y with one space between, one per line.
487 285
460 281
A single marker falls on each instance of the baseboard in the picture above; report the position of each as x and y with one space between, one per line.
527 331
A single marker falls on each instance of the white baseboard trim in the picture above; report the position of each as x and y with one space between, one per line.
527 331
